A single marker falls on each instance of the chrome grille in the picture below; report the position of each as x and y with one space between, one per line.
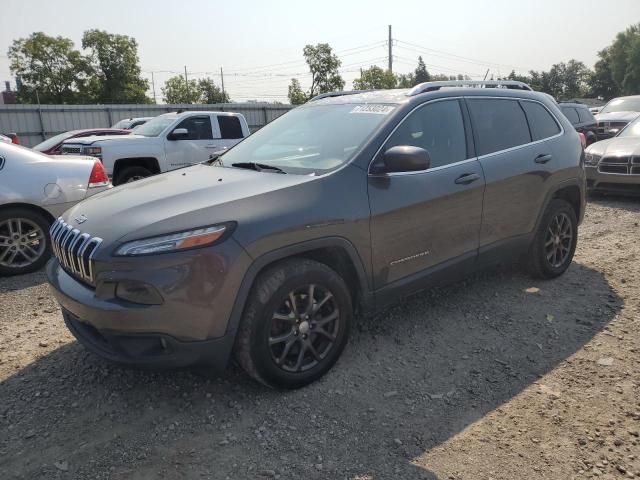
74 250
623 165
70 149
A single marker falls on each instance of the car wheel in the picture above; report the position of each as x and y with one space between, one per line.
25 245
295 324
132 174
555 241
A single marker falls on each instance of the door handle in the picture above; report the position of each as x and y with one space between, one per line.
467 178
542 158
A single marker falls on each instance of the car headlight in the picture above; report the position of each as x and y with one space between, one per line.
591 158
93 151
199 237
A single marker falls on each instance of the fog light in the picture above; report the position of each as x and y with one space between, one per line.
138 292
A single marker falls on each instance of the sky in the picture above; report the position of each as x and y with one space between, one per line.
258 44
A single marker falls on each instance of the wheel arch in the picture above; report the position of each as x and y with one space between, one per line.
150 163
29 206
337 253
572 191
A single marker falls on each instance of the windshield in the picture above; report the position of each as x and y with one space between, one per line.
632 130
123 123
622 105
52 142
310 139
154 127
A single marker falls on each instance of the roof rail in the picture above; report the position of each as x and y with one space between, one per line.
338 94
433 86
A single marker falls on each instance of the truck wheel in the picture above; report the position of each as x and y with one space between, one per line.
25 245
554 244
295 324
131 174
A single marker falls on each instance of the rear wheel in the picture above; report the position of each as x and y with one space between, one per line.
132 174
24 241
295 325
555 241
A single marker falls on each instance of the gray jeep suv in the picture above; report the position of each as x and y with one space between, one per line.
344 204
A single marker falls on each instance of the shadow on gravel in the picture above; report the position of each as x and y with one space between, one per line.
411 378
19 282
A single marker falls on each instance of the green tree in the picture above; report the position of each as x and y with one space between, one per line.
323 65
210 92
115 60
375 78
296 94
49 66
406 80
618 70
421 74
175 90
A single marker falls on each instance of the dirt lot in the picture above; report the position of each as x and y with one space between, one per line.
485 379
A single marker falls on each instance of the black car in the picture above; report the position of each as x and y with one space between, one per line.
342 205
582 120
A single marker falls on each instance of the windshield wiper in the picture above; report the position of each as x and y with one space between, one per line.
258 167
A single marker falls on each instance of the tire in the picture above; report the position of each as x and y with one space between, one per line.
25 245
271 337
131 174
555 241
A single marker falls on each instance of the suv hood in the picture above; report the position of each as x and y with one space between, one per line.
616 116
180 200
102 139
616 147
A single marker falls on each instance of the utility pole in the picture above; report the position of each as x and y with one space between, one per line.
222 81
485 75
186 80
153 85
390 51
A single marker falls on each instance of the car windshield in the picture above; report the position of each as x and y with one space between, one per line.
622 105
154 127
123 123
632 130
310 139
52 142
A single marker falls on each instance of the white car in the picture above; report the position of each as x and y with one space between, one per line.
616 114
5 139
169 141
35 189
130 123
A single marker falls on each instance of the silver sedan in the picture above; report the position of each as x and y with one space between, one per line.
34 190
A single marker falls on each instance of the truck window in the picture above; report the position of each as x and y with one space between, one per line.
199 128
230 127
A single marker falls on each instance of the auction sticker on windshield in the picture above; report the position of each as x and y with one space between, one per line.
378 109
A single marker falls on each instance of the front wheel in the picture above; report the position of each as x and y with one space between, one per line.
555 241
25 245
295 324
131 174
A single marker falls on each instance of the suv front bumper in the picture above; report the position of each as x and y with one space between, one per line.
611 182
179 332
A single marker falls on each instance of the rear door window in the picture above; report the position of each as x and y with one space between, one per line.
571 114
437 127
541 122
499 124
230 127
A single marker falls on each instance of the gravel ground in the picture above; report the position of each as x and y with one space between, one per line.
497 377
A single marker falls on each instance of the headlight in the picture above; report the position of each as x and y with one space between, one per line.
173 242
591 158
93 151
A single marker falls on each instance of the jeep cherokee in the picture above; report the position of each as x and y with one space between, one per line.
344 204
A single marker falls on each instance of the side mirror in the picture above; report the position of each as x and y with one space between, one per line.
178 134
405 158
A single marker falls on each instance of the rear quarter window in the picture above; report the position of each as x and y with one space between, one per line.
499 124
541 122
230 127
571 114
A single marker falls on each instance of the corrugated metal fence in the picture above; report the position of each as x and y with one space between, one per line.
35 123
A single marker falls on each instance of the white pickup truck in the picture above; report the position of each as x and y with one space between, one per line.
167 142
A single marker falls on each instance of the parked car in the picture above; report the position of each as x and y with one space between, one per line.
613 165
582 120
595 110
344 204
616 114
131 123
34 190
10 138
169 141
52 146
